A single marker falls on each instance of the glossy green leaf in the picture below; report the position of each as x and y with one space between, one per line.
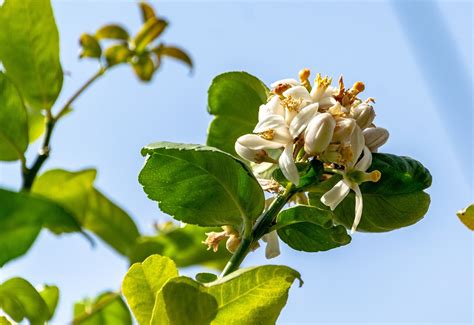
50 295
396 201
19 300
466 216
142 283
22 216
183 245
150 30
36 124
174 52
143 67
146 11
30 50
13 121
234 99
200 185
112 31
75 191
90 47
118 53
108 308
183 301
310 229
261 292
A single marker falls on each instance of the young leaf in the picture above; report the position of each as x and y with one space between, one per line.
310 229
36 124
143 67
112 31
50 295
146 11
30 50
174 52
200 185
107 308
234 99
75 191
183 245
22 216
143 281
150 30
90 47
118 53
13 122
19 300
466 216
183 301
397 200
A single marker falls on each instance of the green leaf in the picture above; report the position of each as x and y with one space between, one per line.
397 200
22 216
50 295
205 277
174 52
4 321
118 53
150 30
310 229
90 47
13 122
30 50
19 300
143 67
112 31
183 301
36 124
183 245
234 99
75 191
142 283
248 296
200 185
107 308
146 11
466 216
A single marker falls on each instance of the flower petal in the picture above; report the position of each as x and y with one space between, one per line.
358 207
357 145
299 92
288 81
273 107
288 166
273 245
334 196
302 119
366 160
255 142
270 122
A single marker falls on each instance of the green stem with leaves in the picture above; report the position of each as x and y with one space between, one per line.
264 222
29 174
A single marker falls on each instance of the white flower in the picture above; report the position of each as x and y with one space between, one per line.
319 133
273 244
364 114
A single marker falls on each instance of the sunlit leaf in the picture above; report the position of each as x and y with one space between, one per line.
205 277
50 295
13 121
112 31
234 99
118 53
90 47
19 300
36 124
29 50
150 30
397 200
466 216
143 67
75 191
143 281
183 245
146 11
108 308
174 52
310 229
22 216
200 185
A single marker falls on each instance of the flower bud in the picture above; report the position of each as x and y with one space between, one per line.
364 115
343 130
375 138
319 133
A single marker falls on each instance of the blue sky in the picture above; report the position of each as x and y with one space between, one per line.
415 59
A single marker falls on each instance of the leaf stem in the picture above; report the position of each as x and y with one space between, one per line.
29 174
264 222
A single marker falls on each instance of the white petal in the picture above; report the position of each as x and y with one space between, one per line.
365 162
357 144
302 119
255 142
299 92
358 207
334 196
288 166
270 122
327 102
289 81
273 245
273 107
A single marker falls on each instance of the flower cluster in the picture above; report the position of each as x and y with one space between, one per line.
301 121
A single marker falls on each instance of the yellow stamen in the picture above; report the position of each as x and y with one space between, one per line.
281 88
304 75
267 135
322 82
292 104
